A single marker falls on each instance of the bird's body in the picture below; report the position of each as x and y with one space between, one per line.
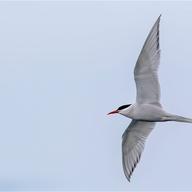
144 112
147 109
151 112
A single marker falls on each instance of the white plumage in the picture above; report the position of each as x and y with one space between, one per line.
147 110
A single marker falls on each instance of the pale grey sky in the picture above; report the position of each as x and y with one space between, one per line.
63 67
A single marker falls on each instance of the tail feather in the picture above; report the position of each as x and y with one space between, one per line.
179 119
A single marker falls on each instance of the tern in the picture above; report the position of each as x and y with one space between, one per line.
147 110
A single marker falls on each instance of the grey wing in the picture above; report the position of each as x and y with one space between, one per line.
133 141
145 72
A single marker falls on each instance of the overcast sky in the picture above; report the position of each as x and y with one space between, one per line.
63 67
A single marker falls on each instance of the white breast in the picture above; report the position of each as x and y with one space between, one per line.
146 112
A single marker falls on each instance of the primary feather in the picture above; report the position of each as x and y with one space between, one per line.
145 72
133 142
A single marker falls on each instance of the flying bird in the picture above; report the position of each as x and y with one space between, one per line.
147 110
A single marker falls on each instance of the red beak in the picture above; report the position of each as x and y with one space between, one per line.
112 112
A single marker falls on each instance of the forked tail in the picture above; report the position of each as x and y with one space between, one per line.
179 119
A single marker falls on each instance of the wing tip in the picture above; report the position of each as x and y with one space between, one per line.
128 177
158 19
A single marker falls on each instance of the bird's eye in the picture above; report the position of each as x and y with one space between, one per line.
123 107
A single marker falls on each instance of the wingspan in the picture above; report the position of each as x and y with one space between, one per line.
133 141
145 72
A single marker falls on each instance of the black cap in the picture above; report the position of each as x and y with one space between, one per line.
123 107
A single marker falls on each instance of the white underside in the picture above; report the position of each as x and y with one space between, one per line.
150 112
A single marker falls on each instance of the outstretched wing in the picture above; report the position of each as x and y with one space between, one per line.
133 141
145 72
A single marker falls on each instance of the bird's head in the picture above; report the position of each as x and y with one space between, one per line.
120 110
